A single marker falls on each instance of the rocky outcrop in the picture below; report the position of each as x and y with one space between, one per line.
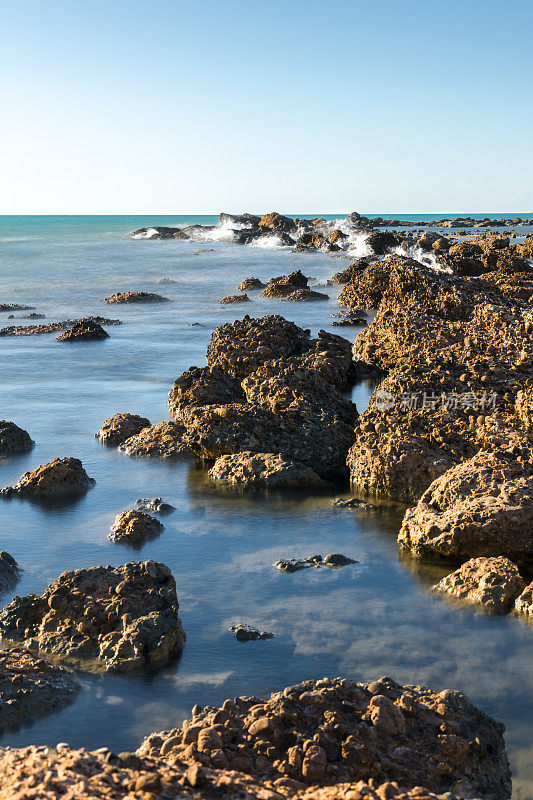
158 232
120 427
305 296
250 283
285 285
481 507
524 603
330 732
262 469
382 242
493 583
13 439
525 248
9 571
162 440
136 297
58 478
235 298
31 687
277 223
247 633
52 327
134 527
202 387
85 331
101 618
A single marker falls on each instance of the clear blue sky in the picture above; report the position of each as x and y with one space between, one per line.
301 106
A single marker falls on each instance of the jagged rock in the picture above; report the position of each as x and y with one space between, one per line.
30 687
13 439
277 223
262 469
353 270
134 526
201 387
101 618
332 732
120 427
162 440
156 505
85 331
524 407
136 297
250 283
52 327
481 507
494 583
235 298
9 571
247 633
285 285
62 476
347 322
159 232
525 248
305 295
383 242
524 603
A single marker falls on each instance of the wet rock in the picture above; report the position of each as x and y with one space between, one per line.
201 387
311 242
13 439
524 603
263 469
52 327
101 618
120 427
305 295
333 732
158 232
166 281
285 285
382 242
136 297
247 633
134 526
347 322
494 583
14 307
277 223
352 502
250 283
332 560
481 507
57 478
30 687
162 440
9 571
156 505
353 270
525 248
235 298
337 560
86 331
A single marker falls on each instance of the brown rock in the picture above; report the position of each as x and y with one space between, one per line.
120 427
494 583
62 476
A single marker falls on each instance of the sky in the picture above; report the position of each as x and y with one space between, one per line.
239 105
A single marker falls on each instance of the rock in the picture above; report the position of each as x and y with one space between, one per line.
337 560
524 603
202 387
285 285
159 232
494 583
31 687
101 618
136 297
60 477
525 248
235 298
9 571
352 502
120 427
250 283
86 331
166 281
134 527
332 560
263 469
481 507
382 242
14 307
156 505
305 295
247 633
353 270
13 439
277 223
358 322
331 733
163 440
52 327
523 406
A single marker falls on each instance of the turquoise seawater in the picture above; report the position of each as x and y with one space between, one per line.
371 619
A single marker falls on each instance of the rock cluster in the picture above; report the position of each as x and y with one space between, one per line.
60 477
332 560
134 527
262 469
52 327
163 440
119 427
13 439
101 618
136 297
84 331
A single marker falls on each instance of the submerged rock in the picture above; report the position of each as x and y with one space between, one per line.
30 687
13 439
134 526
156 505
494 583
332 560
136 297
119 427
235 298
247 633
263 469
353 502
84 331
163 440
9 571
331 733
52 327
102 618
62 476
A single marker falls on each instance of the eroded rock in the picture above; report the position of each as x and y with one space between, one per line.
263 469
13 439
60 477
134 526
493 583
162 440
235 298
119 427
136 297
247 633
84 331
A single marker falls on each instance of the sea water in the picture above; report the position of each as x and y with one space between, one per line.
370 619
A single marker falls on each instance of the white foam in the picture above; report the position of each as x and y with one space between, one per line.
147 234
272 242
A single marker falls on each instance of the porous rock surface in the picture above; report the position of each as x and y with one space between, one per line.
62 476
493 583
101 618
30 687
134 526
235 298
162 440
330 732
13 439
524 603
119 427
83 331
262 469
250 283
136 297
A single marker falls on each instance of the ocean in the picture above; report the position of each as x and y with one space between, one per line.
367 620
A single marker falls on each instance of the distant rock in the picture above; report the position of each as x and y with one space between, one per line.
136 297
13 439
246 633
494 583
332 560
14 307
83 332
57 478
305 295
52 327
120 427
250 283
158 232
235 298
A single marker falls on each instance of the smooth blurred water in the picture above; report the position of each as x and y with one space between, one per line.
364 621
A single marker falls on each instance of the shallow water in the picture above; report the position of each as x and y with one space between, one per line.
363 621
